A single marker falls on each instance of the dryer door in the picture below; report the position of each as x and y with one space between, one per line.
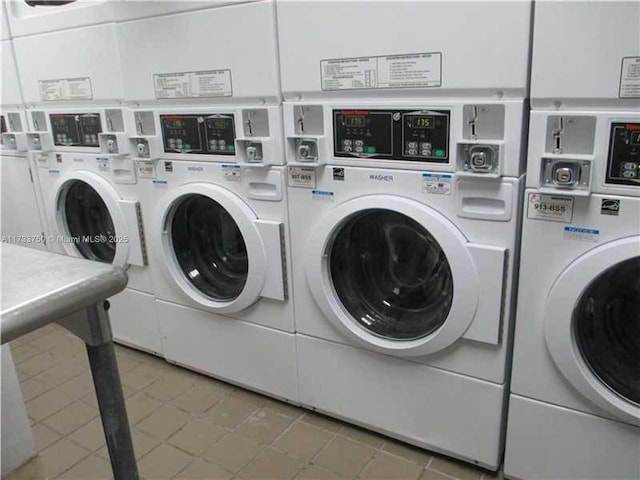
94 222
398 277
592 326
216 249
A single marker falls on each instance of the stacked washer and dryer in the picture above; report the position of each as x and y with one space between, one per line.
405 152
575 393
209 117
21 208
92 202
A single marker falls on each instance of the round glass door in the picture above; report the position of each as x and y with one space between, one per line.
391 275
606 323
209 247
89 222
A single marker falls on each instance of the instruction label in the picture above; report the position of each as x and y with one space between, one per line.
437 183
146 169
66 89
322 195
303 177
581 234
550 207
230 172
415 70
630 78
204 83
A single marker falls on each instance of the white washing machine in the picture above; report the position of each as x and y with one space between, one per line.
219 234
21 208
97 209
207 114
405 168
574 409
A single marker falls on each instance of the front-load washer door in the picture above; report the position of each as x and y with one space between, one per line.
398 277
94 222
592 326
216 249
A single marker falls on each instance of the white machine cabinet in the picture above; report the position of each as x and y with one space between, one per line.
586 54
354 48
221 54
66 53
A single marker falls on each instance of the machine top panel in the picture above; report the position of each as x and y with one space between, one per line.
404 48
586 54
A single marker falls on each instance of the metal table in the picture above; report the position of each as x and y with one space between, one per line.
39 288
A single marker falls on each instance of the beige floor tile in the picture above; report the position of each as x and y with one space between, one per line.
140 377
35 365
50 340
271 464
56 399
198 398
23 352
197 436
69 347
89 436
232 411
232 452
163 462
250 397
455 468
344 457
31 388
433 475
361 435
62 455
169 387
43 436
34 469
163 422
60 373
142 444
322 421
91 468
389 467
313 472
140 405
71 417
285 409
409 452
303 440
202 470
264 426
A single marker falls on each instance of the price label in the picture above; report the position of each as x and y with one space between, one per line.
550 207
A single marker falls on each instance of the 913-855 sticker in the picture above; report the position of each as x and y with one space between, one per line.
554 208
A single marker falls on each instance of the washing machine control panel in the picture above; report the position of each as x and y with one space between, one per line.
75 129
204 134
405 135
623 164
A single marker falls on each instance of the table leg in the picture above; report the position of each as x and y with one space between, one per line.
106 380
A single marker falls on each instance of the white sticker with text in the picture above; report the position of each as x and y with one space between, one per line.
550 207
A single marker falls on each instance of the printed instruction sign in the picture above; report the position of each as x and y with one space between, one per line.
630 78
581 234
231 172
550 207
66 89
415 70
205 83
436 183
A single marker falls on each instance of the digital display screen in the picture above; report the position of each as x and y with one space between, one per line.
217 123
59 121
423 122
174 123
354 120
635 137
90 121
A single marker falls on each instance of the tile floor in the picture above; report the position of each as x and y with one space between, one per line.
189 426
